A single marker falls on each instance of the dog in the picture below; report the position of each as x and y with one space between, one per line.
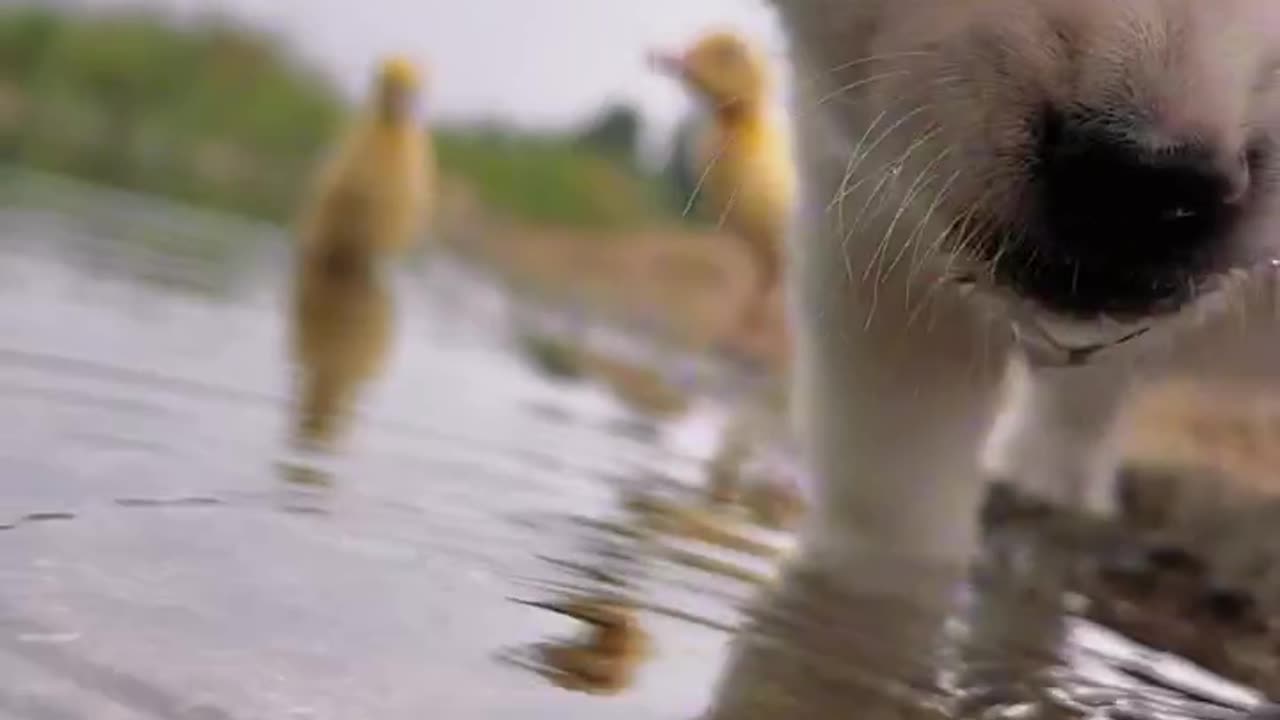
1012 213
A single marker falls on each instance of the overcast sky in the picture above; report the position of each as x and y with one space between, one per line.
536 62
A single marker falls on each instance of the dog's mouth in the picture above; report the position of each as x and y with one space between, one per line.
1050 340
1055 339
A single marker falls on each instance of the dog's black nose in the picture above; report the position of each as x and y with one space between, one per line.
1108 195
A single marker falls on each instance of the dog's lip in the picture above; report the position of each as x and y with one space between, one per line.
1053 339
1040 341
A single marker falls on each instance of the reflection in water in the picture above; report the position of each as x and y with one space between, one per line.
894 638
343 326
885 634
755 468
827 641
1001 639
308 488
666 533
644 390
604 659
674 519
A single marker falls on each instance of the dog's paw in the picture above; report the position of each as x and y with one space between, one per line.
1009 510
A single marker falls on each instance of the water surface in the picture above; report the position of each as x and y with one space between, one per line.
164 553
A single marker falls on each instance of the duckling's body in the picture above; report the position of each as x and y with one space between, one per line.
748 184
372 196
743 154
369 203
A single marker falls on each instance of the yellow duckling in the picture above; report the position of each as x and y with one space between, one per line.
744 154
372 196
369 203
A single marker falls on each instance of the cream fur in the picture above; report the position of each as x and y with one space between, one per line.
910 392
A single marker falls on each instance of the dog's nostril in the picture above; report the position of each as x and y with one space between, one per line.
1104 189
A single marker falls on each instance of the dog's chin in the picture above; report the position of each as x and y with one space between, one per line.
1050 335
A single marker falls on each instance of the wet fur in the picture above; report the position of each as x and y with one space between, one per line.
913 128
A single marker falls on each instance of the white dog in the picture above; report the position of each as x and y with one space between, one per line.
1080 188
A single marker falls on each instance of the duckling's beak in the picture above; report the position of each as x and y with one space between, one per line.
668 63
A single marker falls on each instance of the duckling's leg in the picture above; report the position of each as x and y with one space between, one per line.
767 259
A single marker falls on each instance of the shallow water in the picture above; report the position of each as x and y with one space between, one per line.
165 554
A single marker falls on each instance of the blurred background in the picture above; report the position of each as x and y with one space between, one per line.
552 134
249 485
535 461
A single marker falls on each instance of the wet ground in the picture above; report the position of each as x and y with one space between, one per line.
164 553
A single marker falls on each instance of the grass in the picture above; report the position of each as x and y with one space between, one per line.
214 113
550 180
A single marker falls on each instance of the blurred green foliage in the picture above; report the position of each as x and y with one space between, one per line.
680 172
221 115
211 112
552 180
615 131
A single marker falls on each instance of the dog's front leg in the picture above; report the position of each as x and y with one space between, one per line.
893 400
1057 432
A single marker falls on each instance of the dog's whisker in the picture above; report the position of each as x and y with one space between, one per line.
863 151
850 87
844 191
885 177
916 187
877 58
914 191
913 241
837 200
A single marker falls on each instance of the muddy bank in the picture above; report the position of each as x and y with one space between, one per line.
688 286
